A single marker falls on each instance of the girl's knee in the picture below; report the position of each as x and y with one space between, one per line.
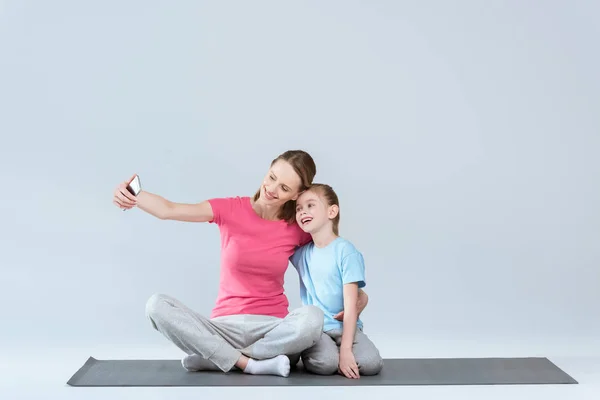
321 365
370 366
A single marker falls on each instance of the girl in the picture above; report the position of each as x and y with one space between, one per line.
331 273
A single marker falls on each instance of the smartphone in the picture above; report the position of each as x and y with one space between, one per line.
135 187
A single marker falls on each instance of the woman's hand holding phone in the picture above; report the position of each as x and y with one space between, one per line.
122 197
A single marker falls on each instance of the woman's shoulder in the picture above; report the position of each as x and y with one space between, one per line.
235 199
230 200
226 208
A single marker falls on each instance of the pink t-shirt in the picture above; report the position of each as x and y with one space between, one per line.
254 257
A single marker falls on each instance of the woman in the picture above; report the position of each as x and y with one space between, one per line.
249 327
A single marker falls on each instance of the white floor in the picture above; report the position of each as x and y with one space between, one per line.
43 374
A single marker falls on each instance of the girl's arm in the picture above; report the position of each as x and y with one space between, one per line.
347 363
350 315
361 303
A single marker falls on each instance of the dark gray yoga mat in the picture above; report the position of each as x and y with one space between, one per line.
427 371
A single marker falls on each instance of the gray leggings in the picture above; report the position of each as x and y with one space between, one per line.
221 341
323 358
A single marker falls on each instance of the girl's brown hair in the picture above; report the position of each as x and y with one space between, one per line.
329 195
305 167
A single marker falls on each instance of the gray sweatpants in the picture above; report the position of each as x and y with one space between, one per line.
323 358
221 341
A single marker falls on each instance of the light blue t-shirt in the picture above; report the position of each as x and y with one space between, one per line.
323 273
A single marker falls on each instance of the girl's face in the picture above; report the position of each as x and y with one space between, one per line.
280 185
312 212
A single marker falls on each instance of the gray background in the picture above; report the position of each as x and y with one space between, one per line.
462 138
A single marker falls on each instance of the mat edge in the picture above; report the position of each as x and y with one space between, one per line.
384 359
573 380
81 371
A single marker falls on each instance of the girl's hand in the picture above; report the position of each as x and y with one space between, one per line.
122 198
347 365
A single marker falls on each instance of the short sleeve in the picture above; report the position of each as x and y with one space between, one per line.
222 209
353 269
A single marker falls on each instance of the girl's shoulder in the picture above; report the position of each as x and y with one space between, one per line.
345 247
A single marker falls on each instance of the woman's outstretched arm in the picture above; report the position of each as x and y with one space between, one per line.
160 207
164 209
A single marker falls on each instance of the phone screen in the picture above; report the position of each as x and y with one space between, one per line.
135 186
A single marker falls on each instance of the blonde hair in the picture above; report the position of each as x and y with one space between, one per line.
305 167
331 198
